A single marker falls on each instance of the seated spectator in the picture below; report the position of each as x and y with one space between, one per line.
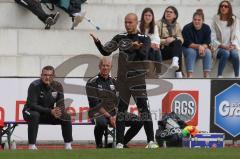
197 37
107 114
43 94
171 39
225 29
147 26
35 7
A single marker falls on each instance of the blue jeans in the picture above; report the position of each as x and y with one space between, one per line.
191 56
223 55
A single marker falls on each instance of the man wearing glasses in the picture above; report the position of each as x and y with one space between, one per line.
45 104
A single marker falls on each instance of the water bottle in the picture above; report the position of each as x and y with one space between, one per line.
13 145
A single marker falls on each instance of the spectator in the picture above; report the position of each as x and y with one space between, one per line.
43 94
35 7
107 114
197 37
133 48
225 29
171 39
147 26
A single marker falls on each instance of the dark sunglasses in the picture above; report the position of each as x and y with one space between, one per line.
224 6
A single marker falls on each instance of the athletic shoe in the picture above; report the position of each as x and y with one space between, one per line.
51 20
55 17
152 145
68 146
32 147
78 18
119 146
174 65
48 23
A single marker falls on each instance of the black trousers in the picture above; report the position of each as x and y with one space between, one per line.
174 49
35 7
34 118
135 87
132 121
156 56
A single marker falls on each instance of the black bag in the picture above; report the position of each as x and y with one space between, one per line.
170 130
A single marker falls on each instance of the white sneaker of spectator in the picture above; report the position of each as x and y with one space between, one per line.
78 17
32 147
174 64
152 145
68 146
178 75
219 76
119 146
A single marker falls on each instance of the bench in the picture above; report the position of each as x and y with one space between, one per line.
9 127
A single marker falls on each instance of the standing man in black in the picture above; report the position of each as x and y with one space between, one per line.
101 89
45 104
134 48
35 7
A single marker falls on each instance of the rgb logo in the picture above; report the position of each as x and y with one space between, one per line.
227 110
184 104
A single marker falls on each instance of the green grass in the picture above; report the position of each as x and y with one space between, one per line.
168 153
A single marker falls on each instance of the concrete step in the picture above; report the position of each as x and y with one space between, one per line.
24 51
108 14
49 42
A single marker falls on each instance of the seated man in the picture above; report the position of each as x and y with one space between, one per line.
43 94
35 7
106 114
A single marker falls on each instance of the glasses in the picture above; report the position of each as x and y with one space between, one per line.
224 6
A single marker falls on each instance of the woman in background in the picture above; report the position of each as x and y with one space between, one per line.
147 26
225 29
171 41
197 37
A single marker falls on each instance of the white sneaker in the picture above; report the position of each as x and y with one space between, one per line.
78 18
219 76
174 64
68 146
178 75
32 147
152 145
119 146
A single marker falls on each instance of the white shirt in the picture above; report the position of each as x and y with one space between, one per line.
226 31
155 39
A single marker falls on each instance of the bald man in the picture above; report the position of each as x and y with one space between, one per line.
133 50
106 114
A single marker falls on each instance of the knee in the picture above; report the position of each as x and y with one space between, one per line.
189 52
208 53
177 43
32 116
101 124
224 55
235 55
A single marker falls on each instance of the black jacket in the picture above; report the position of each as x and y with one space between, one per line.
133 54
101 92
42 98
128 56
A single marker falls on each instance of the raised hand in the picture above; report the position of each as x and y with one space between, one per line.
94 37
